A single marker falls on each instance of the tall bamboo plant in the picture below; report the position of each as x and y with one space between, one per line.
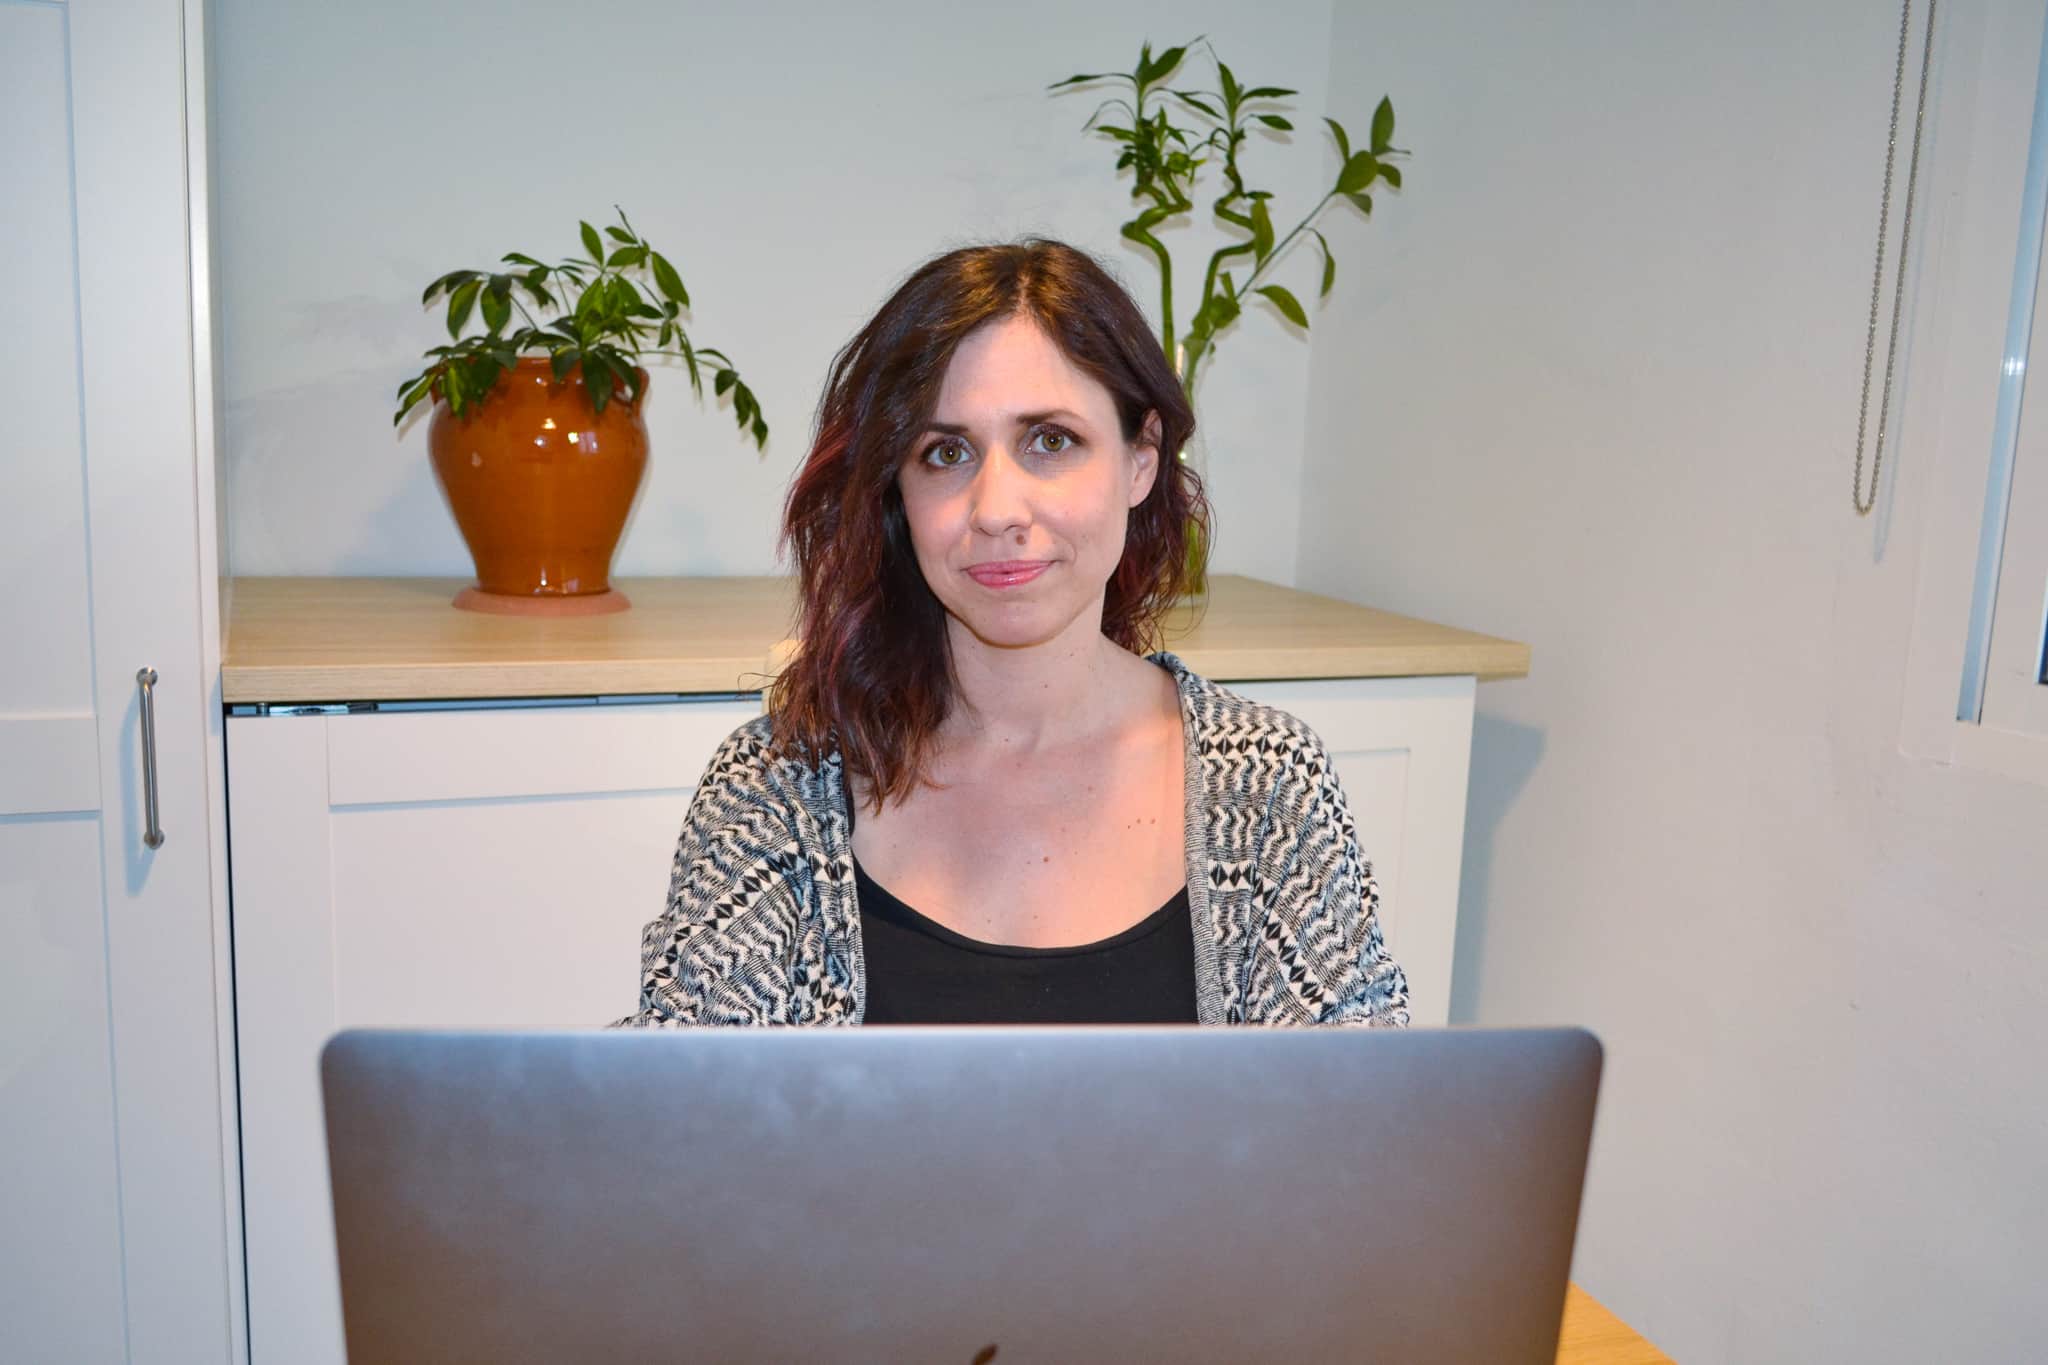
1165 157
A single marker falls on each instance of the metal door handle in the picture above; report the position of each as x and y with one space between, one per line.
153 836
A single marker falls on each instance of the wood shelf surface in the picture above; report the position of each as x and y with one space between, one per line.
372 639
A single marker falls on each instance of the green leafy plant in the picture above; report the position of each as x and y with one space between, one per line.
597 319
1164 158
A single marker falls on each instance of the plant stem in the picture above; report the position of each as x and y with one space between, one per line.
1275 253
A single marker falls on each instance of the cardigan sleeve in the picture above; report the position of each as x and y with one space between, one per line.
1360 982
721 950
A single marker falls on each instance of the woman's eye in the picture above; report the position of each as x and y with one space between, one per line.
1055 442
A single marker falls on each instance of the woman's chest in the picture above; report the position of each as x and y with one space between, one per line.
1038 856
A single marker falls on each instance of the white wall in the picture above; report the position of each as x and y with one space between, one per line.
1601 397
795 161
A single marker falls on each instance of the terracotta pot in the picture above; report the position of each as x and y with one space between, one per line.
540 484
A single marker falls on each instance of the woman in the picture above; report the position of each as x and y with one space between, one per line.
973 797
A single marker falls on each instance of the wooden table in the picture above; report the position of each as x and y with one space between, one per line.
1593 1336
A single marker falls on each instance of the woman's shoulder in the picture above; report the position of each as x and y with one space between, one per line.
1254 733
754 770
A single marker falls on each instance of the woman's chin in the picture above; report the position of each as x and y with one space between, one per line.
1013 626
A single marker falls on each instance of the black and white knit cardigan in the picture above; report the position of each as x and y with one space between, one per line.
763 926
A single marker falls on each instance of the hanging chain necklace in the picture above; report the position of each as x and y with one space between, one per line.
1856 499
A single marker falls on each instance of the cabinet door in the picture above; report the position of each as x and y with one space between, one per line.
428 869
1403 750
114 1233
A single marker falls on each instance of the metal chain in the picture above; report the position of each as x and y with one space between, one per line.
1863 509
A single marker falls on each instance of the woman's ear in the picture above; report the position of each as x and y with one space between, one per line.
1145 457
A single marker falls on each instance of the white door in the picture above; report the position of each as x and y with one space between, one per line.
114 1230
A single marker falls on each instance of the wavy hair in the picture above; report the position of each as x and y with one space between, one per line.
871 673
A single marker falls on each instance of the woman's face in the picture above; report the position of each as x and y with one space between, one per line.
1024 464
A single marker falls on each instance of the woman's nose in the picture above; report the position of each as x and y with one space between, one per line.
1001 494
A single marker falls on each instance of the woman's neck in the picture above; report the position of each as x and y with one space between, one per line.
1026 702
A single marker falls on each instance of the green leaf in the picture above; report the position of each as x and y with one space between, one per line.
1233 93
1274 121
1363 201
447 281
516 258
1161 66
1286 303
725 380
1268 92
483 375
667 280
1262 230
1226 311
564 360
1343 141
410 393
1392 175
497 309
592 243
1191 100
599 378
1357 173
760 434
627 256
459 304
1095 76
1383 125
1329 272
690 359
619 235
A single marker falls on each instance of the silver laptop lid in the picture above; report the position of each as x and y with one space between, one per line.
958 1194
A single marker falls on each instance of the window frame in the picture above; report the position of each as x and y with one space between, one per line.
1986 91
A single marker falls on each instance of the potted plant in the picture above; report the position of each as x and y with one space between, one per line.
537 436
1164 158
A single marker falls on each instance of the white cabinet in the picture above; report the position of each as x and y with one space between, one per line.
493 866
118 1222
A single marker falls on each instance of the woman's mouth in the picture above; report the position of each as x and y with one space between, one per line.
1008 573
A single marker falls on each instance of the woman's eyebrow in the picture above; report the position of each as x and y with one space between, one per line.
1023 419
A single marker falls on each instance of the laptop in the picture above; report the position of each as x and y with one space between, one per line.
979 1195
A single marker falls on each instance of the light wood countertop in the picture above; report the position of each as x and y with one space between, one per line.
1590 1335
372 639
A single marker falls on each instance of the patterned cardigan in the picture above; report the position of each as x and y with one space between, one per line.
763 924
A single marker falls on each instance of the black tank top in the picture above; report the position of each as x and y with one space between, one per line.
921 972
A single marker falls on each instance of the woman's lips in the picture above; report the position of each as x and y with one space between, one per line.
1008 575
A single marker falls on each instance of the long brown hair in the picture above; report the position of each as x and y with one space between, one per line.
872 672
